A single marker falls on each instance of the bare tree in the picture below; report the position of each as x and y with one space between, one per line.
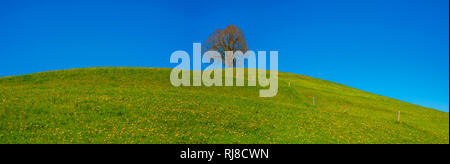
229 39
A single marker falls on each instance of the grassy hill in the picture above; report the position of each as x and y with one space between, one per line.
139 105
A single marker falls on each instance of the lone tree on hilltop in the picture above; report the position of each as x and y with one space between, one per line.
229 39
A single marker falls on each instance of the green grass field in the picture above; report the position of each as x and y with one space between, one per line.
139 105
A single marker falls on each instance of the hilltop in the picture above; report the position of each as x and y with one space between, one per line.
139 105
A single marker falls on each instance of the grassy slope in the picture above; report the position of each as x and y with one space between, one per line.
139 105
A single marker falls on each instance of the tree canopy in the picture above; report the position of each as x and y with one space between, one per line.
229 39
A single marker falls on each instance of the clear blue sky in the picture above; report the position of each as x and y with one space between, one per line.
395 48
